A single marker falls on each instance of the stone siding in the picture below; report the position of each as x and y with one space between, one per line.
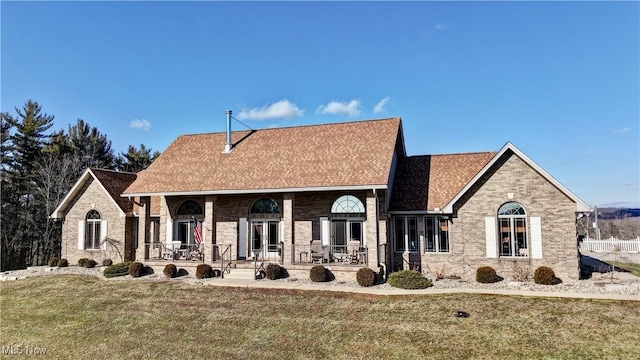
510 179
92 196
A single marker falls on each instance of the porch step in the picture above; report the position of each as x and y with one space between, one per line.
241 274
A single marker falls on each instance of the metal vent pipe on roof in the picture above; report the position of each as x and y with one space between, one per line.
227 146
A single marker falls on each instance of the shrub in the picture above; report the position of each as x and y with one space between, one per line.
170 271
486 275
119 269
366 277
204 271
409 279
63 263
273 271
53 261
90 264
107 262
83 262
544 275
318 273
135 269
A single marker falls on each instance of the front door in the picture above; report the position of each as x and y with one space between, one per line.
264 238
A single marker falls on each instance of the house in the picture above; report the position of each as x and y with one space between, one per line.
343 194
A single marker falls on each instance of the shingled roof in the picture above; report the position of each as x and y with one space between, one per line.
113 182
424 183
350 154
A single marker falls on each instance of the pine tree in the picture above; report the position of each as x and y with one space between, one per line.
135 160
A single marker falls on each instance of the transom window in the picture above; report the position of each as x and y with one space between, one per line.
92 230
189 207
437 234
347 204
265 206
512 226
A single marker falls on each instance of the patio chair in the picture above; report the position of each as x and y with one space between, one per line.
316 251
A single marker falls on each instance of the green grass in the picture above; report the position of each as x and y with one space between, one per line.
631 267
77 317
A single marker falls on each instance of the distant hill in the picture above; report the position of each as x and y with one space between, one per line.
617 213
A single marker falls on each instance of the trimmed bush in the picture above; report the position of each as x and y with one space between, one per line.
366 277
409 279
170 271
63 263
318 273
83 262
119 269
544 276
135 269
204 271
273 271
90 264
53 261
107 262
486 275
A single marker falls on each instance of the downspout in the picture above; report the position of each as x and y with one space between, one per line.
380 264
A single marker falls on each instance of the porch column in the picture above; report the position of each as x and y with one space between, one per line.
144 223
287 218
208 229
165 216
371 237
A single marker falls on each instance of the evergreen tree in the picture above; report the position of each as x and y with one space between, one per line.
135 160
92 148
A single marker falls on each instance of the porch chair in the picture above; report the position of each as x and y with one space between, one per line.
353 248
316 251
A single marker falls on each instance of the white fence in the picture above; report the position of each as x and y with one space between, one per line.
607 245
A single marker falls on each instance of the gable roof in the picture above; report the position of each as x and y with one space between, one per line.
581 206
429 182
112 182
346 155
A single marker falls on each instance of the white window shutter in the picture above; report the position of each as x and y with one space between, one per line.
103 235
242 233
169 232
490 236
325 231
81 235
536 237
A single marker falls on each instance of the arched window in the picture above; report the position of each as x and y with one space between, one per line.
347 204
265 206
512 225
347 220
189 207
92 230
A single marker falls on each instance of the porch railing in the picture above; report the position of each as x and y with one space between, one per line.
160 251
221 253
335 254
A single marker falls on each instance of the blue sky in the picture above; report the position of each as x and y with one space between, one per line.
558 80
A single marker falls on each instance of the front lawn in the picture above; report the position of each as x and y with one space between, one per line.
79 317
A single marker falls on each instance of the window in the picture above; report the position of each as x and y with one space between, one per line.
265 206
347 220
92 231
189 207
512 227
265 224
406 233
437 234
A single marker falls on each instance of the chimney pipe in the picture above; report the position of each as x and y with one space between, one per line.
227 146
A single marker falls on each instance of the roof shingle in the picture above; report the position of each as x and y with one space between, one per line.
431 181
330 155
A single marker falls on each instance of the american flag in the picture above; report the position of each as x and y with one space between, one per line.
197 231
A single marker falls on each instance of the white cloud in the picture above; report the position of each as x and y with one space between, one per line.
282 109
440 27
381 105
143 124
621 131
351 108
